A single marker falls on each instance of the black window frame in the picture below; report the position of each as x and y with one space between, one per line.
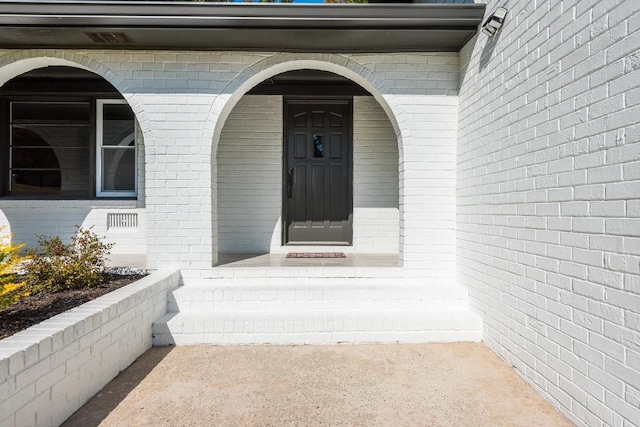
5 130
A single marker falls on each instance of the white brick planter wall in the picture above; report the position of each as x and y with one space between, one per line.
549 197
50 370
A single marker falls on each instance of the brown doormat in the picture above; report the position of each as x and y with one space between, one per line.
316 255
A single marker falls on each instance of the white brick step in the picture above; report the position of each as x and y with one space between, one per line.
314 294
304 272
317 327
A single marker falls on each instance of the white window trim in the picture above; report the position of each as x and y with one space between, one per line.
100 103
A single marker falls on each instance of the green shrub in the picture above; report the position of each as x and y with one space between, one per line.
56 266
12 287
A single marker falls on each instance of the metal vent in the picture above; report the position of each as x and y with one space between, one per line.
110 38
122 220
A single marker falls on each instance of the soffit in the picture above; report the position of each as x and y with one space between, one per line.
239 26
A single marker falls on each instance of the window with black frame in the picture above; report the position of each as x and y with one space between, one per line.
51 154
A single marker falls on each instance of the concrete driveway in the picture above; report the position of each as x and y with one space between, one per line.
461 384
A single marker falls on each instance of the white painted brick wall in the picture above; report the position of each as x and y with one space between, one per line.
548 196
250 177
178 98
376 218
26 219
50 370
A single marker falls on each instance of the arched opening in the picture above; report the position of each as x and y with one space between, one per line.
307 157
79 119
67 138
284 62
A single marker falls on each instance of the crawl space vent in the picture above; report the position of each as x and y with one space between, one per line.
122 220
110 38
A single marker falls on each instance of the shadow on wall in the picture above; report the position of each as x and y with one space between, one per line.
487 51
27 223
253 233
249 173
96 410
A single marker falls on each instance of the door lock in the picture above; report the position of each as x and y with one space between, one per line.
290 182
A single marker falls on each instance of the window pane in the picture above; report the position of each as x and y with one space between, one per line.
34 158
36 135
47 112
118 166
38 147
117 125
29 182
73 166
318 146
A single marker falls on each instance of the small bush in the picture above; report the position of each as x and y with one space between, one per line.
12 287
56 266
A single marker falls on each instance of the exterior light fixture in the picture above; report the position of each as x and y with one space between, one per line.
494 22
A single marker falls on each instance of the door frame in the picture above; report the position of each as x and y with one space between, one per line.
310 100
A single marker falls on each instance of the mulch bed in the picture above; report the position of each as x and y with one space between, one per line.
36 308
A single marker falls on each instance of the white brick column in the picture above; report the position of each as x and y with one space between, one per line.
179 195
427 185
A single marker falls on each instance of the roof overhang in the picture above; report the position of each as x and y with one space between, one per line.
391 27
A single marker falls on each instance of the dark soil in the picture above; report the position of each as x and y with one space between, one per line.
34 309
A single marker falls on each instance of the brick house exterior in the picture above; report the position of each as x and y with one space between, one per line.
507 170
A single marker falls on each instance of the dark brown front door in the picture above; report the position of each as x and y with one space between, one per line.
317 172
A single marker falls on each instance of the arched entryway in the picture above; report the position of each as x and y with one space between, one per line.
307 157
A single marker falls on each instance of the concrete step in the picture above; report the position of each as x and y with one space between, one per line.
317 308
304 272
292 294
317 327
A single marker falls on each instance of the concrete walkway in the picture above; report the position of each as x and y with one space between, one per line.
343 385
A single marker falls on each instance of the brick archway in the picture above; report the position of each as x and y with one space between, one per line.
283 62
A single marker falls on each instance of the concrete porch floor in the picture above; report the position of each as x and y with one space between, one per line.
281 260
463 384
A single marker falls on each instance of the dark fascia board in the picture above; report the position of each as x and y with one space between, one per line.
238 15
441 27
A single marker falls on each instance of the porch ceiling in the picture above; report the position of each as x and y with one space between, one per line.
239 26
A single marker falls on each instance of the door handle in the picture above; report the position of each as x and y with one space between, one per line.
290 182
